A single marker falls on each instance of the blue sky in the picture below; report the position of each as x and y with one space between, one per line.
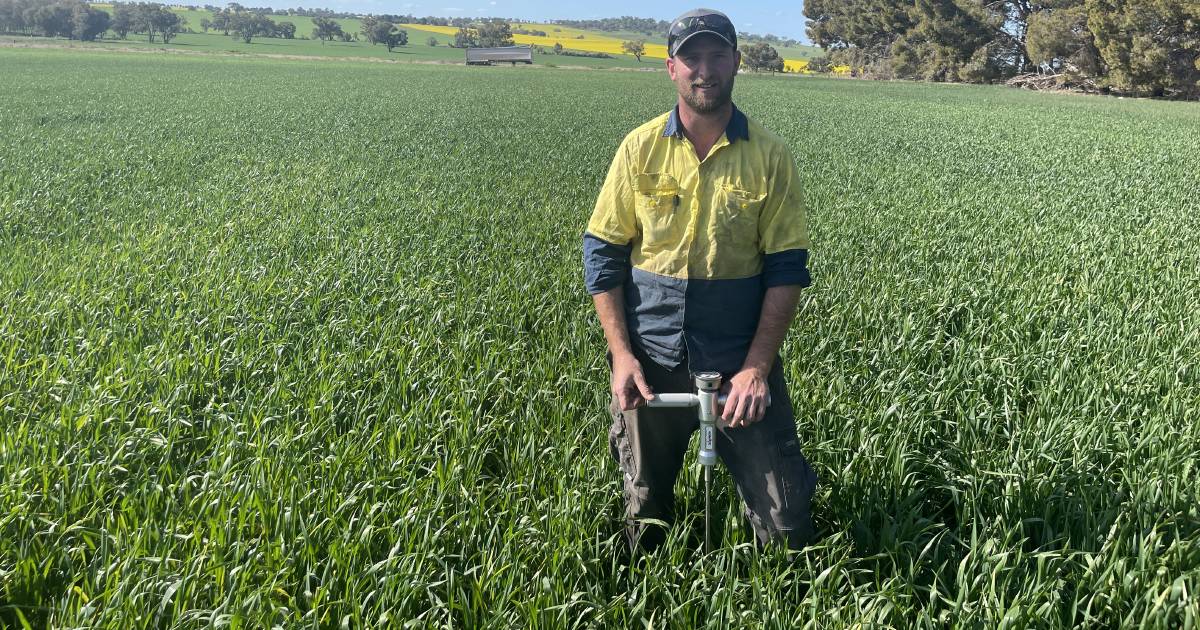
785 19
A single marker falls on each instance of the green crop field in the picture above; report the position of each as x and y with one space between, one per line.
305 343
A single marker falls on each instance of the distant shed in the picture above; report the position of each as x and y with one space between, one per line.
510 54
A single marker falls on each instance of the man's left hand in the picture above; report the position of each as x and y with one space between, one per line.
746 401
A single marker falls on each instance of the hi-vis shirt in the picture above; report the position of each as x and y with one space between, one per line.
696 244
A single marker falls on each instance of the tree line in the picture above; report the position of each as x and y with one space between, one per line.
652 28
1143 47
246 24
75 19
629 23
488 33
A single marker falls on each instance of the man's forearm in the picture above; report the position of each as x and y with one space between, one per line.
778 311
610 307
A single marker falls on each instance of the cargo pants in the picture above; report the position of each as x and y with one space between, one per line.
772 477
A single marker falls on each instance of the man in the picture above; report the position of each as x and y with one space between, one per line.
695 256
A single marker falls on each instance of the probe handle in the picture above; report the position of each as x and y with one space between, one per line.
686 400
723 397
674 400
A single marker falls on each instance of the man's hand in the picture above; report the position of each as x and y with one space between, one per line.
629 386
746 401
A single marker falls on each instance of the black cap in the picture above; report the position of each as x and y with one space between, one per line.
699 21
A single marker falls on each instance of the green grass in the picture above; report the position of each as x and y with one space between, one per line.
799 52
306 343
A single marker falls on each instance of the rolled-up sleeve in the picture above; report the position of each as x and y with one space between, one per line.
608 241
605 265
783 227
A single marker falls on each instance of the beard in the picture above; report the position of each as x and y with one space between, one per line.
708 104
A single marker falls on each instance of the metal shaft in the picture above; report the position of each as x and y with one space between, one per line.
707 398
708 384
707 494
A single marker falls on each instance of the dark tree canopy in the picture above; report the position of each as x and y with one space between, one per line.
380 31
762 56
465 38
87 23
635 48
326 29
1134 46
247 25
494 33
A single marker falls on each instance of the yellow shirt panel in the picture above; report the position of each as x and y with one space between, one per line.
714 219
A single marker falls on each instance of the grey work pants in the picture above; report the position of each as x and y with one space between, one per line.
764 459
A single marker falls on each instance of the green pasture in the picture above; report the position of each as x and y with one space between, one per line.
195 39
417 50
305 344
304 25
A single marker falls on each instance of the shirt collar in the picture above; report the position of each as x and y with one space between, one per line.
737 129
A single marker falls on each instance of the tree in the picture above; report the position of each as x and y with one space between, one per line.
432 41
762 56
325 28
384 32
558 48
396 38
53 20
1059 40
937 40
151 19
944 38
1149 46
370 24
221 21
867 25
246 25
205 24
285 30
123 19
12 16
465 38
88 23
635 48
495 32
161 19
819 64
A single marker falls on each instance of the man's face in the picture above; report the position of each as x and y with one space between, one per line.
703 71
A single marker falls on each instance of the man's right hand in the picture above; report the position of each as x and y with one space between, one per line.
629 386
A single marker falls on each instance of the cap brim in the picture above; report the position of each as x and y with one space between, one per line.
679 44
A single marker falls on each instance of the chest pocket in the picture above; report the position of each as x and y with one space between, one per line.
657 203
737 214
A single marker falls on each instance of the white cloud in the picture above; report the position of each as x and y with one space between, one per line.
451 9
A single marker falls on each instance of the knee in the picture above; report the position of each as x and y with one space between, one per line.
783 513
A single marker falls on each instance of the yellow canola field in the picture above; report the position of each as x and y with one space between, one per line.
569 38
576 39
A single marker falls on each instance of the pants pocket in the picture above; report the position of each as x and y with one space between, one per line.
797 479
618 444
